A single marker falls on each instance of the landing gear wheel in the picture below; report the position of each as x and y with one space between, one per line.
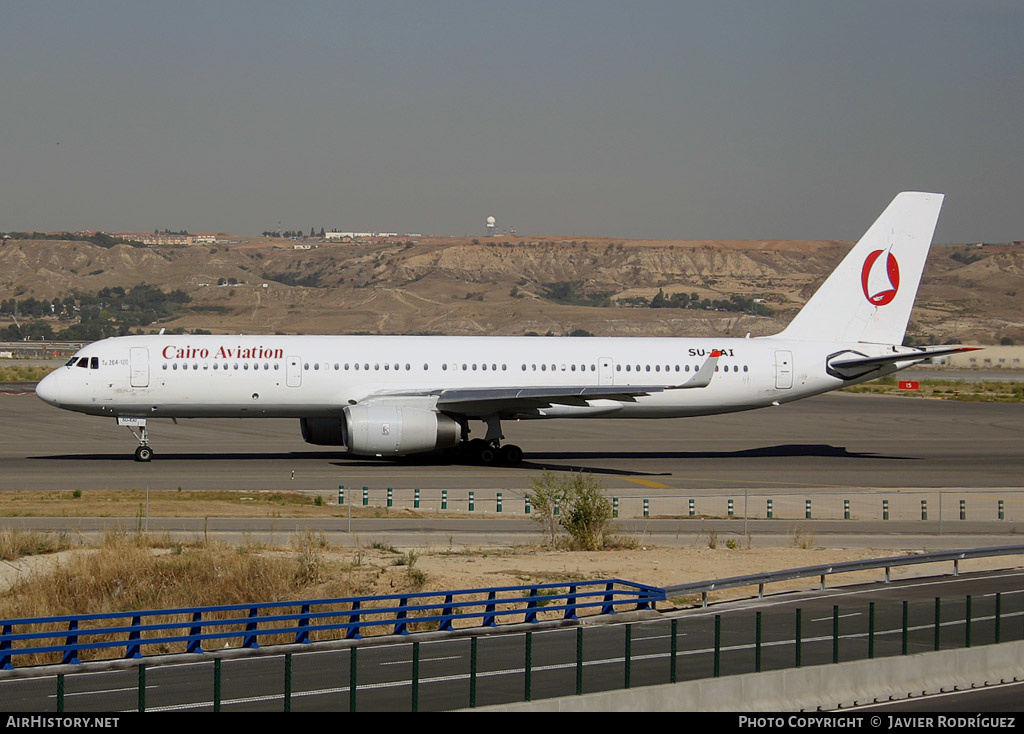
487 455
143 453
510 455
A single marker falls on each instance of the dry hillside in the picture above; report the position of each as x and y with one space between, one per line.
507 286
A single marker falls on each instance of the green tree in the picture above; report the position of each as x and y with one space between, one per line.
583 510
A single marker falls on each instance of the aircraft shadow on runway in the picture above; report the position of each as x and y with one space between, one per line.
534 461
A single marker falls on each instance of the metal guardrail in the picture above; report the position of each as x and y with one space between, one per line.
705 587
187 629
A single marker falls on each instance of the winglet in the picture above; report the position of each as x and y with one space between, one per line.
704 374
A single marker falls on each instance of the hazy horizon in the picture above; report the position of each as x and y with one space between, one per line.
794 119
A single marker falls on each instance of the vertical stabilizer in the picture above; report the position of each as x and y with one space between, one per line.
869 296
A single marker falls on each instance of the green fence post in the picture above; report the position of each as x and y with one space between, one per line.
528 669
730 507
693 508
835 633
796 637
472 500
938 624
499 502
391 497
216 684
675 651
885 509
871 631
341 494
142 688
769 509
579 660
366 496
352 667
999 615
287 682
967 623
615 506
718 645
963 509
415 677
60 693
416 498
647 507
472 672
527 500
757 643
903 650
628 656
846 509
444 499
807 509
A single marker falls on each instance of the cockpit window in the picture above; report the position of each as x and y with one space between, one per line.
71 361
83 362
94 363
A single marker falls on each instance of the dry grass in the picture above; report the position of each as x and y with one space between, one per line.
16 544
129 571
176 503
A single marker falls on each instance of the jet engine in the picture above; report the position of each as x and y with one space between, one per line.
323 431
385 430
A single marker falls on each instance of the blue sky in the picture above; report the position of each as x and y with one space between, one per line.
796 119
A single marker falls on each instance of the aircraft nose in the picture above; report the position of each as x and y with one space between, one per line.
48 389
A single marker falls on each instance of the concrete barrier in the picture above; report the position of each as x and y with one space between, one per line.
813 688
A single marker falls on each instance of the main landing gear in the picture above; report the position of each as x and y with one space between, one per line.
481 451
488 450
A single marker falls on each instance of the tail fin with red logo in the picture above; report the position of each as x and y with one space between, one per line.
869 296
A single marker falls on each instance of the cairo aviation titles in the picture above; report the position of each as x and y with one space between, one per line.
173 352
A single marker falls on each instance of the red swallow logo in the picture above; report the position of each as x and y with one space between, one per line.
880 282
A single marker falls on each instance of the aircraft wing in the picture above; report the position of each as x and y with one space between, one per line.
851 365
479 401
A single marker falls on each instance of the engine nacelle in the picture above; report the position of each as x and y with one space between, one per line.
323 431
385 430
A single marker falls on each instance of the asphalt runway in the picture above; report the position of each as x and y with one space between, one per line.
834 444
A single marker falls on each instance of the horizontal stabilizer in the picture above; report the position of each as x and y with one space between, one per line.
851 365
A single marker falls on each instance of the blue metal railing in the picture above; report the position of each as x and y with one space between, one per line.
189 629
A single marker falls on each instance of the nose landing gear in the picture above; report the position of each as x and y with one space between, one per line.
143 452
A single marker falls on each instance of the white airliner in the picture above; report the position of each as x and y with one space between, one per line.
398 395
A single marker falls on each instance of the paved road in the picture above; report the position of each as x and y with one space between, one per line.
837 623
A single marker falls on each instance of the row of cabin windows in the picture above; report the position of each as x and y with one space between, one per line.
85 362
225 366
